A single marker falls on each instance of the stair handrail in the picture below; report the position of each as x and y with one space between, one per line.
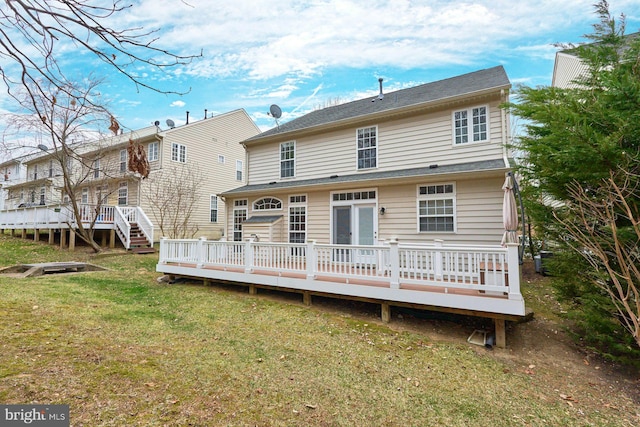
123 227
145 224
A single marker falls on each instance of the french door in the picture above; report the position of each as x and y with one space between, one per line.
354 225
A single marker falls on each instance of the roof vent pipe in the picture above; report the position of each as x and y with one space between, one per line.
381 94
187 117
205 113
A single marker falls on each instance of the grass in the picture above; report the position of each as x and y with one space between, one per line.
122 349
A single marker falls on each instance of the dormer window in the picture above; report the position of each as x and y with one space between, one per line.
267 203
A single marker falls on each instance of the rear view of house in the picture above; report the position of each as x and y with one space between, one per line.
396 198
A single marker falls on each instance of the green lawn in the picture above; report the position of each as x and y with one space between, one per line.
122 349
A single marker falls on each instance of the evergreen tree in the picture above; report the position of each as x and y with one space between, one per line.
581 169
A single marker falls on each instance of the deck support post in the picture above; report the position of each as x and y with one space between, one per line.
13 232
306 298
501 334
63 237
72 240
438 259
513 262
253 290
36 234
248 256
200 252
385 312
312 260
112 238
103 239
24 233
394 261
52 235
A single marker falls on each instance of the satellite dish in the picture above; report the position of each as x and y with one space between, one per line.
157 123
43 147
275 111
170 123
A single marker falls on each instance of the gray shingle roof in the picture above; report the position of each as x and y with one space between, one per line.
489 78
484 165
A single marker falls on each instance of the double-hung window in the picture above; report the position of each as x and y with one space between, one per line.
238 170
470 125
367 147
96 168
436 208
178 152
213 208
287 159
123 161
152 156
297 218
123 194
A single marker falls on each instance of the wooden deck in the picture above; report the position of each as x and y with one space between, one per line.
476 281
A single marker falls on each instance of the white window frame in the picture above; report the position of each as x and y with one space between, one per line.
286 148
469 126
35 172
178 152
96 168
297 202
213 208
267 204
440 194
153 152
239 170
240 210
123 161
84 198
365 141
221 159
123 193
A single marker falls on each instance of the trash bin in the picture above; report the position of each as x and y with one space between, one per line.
544 257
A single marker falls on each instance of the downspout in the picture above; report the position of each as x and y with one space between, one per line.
505 129
224 223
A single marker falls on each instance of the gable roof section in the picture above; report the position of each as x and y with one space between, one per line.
363 179
467 84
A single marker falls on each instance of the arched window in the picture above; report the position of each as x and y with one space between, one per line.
267 203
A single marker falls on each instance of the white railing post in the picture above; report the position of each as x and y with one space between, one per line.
163 250
312 260
200 252
248 255
437 268
513 261
394 264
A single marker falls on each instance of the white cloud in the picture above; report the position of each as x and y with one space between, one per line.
179 104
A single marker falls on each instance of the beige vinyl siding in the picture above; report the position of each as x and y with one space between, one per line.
205 141
478 212
567 68
403 143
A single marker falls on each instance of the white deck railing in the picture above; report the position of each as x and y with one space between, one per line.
488 269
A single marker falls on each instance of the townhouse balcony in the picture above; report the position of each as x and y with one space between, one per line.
130 223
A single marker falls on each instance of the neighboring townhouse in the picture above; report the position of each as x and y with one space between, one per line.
417 164
568 67
211 148
396 198
120 197
12 172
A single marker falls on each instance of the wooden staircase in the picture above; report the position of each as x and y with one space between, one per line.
138 242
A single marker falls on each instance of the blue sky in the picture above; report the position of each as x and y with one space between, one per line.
304 54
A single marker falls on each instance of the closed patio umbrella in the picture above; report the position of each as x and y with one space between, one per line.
509 212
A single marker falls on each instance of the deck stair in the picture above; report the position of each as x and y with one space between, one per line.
139 243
